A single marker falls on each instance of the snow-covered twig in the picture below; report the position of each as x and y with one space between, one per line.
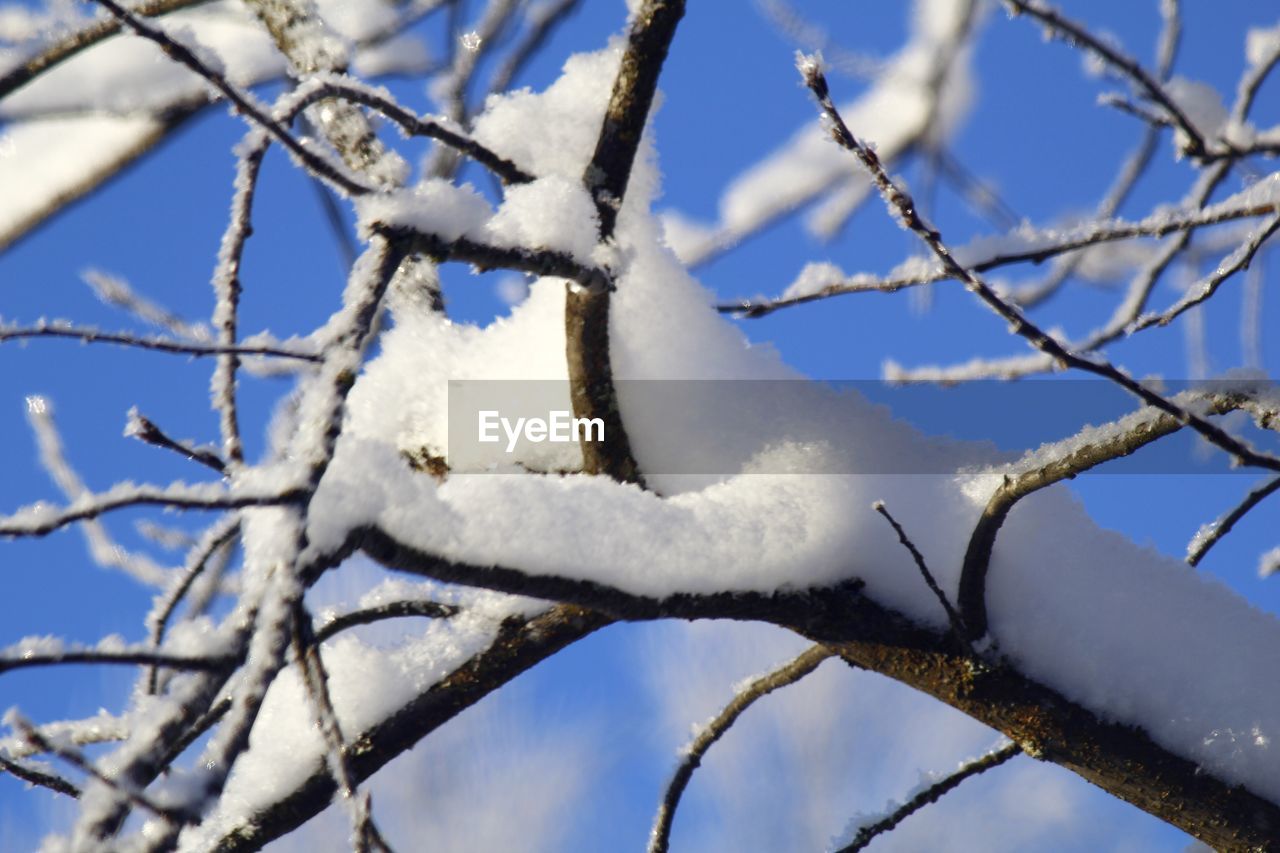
244 102
1130 308
77 760
40 520
315 680
390 610
145 430
23 657
692 754
90 335
902 206
226 290
217 538
1055 463
1207 286
115 291
104 550
69 45
331 86
484 256
1209 535
38 777
931 794
1027 246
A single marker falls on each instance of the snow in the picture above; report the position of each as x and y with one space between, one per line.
126 75
366 683
44 163
1064 595
734 504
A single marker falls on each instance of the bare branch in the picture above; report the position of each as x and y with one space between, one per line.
788 674
930 795
953 618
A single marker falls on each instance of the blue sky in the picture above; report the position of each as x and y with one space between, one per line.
731 95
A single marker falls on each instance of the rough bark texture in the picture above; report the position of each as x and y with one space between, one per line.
586 313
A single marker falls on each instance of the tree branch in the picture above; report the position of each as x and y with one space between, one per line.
865 835
785 675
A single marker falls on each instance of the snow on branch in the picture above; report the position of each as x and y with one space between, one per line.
244 102
73 43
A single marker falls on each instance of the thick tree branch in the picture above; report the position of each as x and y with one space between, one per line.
1047 725
586 312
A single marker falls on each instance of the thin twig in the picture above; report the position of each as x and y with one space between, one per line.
390 610
39 778
1042 246
543 22
41 522
1208 286
902 206
953 618
244 103
315 680
1118 59
930 795
86 335
126 657
787 674
77 760
143 429
219 537
1210 534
